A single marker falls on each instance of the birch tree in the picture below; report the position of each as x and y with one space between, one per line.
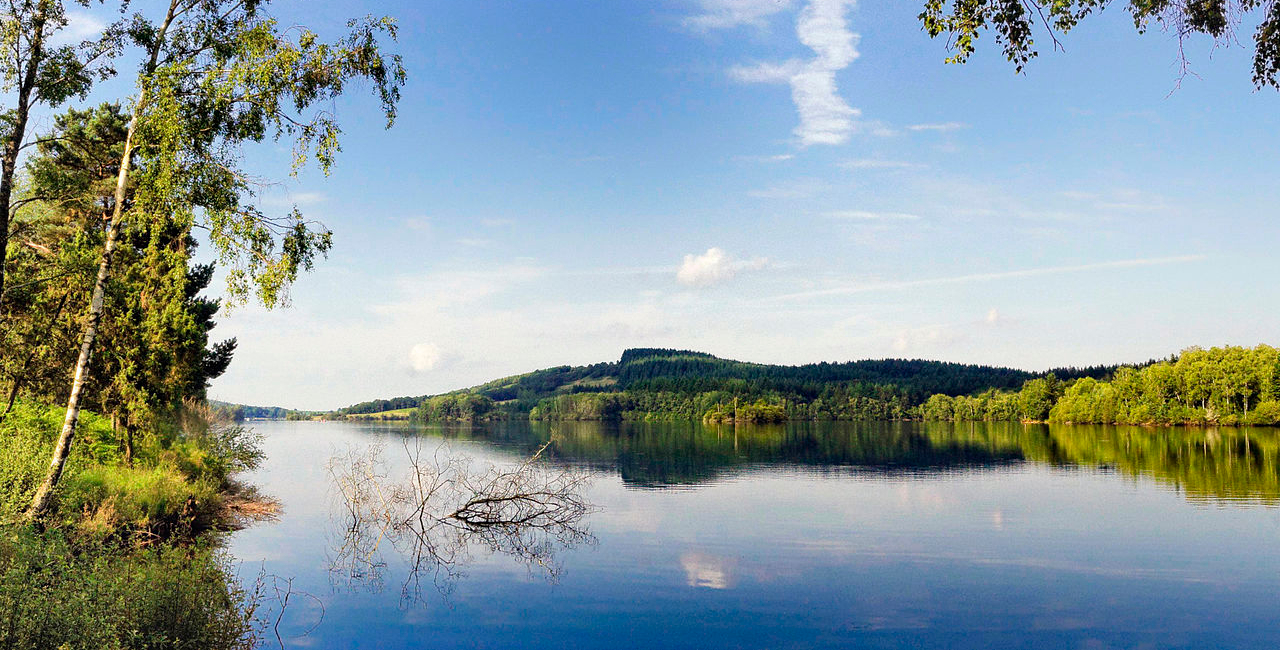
35 71
215 76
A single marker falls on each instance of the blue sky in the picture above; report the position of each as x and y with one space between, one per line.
769 180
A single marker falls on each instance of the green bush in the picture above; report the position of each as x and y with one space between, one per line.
155 502
58 594
1266 414
27 437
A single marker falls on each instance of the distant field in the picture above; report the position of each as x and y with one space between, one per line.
394 414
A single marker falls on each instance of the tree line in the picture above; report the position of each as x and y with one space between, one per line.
1227 386
658 383
1223 385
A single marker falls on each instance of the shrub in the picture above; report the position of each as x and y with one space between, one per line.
58 594
209 446
150 503
27 436
1267 414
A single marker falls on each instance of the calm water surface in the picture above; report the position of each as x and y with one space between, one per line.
808 536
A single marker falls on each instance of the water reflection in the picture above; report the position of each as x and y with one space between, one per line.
707 571
1227 464
821 535
442 508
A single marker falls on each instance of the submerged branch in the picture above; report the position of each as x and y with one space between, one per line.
444 508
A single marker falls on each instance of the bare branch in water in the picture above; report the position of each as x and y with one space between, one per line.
443 508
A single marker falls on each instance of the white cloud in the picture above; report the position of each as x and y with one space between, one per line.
420 224
80 26
993 316
864 215
296 198
801 188
714 266
874 163
942 127
766 159
727 14
825 118
707 571
423 357
627 321
1120 200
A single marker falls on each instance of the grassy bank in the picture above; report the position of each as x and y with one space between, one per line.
129 558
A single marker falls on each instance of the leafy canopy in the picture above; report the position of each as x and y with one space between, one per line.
1015 22
226 75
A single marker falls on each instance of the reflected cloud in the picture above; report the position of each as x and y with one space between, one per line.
708 571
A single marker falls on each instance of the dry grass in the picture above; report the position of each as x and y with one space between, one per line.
243 506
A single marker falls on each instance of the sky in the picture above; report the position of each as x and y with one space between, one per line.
777 181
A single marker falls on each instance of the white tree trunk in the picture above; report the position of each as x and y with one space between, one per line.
43 499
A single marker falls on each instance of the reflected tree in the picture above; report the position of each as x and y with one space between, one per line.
444 508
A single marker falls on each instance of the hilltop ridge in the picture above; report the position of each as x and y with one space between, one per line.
689 372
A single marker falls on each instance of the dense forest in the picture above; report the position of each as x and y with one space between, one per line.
665 384
1226 386
242 412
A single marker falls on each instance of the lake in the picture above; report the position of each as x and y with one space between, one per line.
809 535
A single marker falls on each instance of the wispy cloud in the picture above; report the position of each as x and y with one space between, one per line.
727 14
989 277
825 117
80 26
713 267
1120 200
938 126
875 163
916 338
865 215
782 157
296 198
801 188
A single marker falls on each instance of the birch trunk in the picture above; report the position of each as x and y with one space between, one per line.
43 499
13 145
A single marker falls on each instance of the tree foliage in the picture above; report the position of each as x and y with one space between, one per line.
1228 386
1015 24
214 75
663 384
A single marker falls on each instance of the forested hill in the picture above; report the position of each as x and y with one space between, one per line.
240 412
685 372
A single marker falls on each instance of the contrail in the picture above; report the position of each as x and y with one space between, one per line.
987 277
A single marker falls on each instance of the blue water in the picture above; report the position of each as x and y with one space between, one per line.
808 536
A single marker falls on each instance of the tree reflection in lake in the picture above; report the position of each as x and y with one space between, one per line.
1205 464
443 508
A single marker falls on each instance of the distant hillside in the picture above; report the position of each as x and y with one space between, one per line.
652 371
240 412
